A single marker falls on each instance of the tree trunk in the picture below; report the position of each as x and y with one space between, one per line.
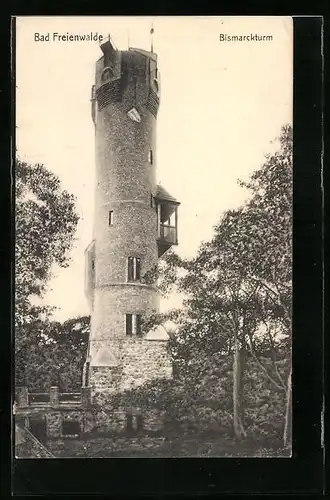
238 404
288 413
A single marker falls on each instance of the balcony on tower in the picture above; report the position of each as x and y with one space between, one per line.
167 220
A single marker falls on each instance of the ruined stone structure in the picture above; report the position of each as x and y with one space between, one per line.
51 422
135 223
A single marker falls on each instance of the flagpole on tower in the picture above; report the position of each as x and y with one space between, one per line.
152 37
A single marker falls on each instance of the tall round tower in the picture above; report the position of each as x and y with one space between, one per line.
132 224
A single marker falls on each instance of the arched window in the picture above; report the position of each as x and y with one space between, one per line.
107 74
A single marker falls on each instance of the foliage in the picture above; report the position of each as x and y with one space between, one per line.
45 222
237 304
54 356
200 401
231 351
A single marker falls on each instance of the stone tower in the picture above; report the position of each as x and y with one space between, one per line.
135 223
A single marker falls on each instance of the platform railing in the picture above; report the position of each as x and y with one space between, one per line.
168 233
53 399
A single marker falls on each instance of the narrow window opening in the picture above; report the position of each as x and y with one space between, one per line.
111 218
134 423
137 423
133 325
133 269
129 422
93 265
137 269
129 324
86 374
150 157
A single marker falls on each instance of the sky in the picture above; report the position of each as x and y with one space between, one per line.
222 103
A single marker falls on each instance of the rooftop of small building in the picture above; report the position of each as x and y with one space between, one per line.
163 194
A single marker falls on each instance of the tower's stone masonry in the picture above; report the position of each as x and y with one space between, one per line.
144 361
141 361
131 225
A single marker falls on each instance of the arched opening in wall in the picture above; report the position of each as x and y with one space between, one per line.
107 74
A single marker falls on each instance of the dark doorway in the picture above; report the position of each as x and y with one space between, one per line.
38 428
70 428
134 423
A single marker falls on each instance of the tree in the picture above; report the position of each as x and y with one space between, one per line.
238 288
45 223
54 356
268 261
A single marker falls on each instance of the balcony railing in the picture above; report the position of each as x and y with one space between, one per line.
168 233
52 399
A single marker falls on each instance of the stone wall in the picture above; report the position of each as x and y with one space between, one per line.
107 447
144 361
109 432
115 421
105 379
55 419
112 422
140 361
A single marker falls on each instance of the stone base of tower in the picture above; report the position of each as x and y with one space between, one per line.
105 379
141 362
133 363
